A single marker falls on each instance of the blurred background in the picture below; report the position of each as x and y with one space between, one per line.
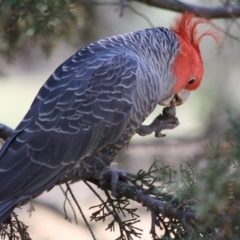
202 118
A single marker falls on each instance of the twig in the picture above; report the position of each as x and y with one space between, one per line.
225 32
140 15
122 5
153 204
80 210
14 229
70 203
116 216
98 196
225 11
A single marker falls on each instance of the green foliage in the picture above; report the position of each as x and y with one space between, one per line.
210 187
42 23
118 209
206 192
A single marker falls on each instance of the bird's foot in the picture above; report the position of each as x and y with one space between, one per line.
166 120
115 175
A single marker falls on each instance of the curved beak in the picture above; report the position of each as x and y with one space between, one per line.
176 99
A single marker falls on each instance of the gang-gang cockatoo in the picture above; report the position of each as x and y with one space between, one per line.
93 104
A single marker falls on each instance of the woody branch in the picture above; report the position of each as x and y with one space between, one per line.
226 10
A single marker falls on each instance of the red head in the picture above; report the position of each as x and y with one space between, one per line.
188 66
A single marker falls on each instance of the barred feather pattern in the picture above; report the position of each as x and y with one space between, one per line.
87 110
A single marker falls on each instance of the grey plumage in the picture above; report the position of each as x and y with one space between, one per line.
87 110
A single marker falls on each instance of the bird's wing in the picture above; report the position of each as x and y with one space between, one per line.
84 106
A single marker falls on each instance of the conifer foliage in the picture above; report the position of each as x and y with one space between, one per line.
42 23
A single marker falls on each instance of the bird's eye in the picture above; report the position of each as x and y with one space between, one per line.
192 80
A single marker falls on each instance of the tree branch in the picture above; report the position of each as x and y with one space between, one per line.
225 11
153 204
162 209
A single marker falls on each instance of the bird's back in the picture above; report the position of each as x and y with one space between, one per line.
86 112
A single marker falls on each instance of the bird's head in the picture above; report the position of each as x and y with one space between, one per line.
188 66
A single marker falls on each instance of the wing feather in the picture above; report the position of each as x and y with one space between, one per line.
84 106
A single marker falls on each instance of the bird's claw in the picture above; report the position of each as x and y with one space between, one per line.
114 174
166 120
158 134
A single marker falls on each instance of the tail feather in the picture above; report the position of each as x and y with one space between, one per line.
6 208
